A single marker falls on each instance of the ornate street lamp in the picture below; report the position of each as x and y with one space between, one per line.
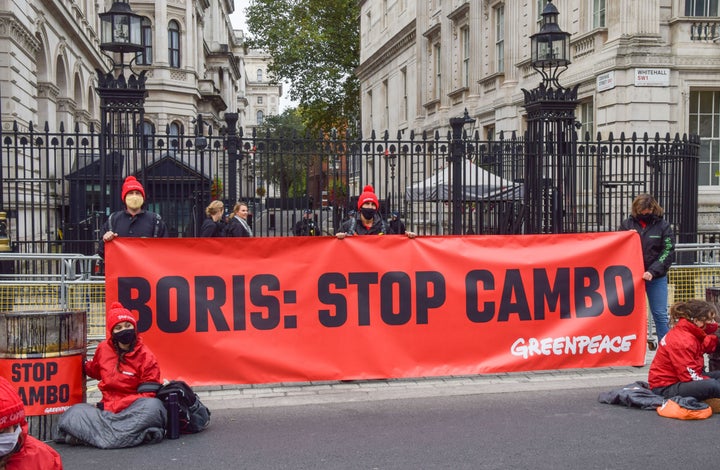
122 102
120 29
550 184
550 47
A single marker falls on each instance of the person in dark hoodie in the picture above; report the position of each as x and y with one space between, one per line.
18 449
658 247
367 220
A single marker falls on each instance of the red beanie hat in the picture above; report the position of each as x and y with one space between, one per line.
116 314
12 410
368 194
132 184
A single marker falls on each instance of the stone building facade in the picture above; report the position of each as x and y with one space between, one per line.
49 53
641 66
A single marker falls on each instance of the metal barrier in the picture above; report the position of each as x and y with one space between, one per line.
54 281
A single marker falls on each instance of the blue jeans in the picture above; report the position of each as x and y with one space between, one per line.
657 293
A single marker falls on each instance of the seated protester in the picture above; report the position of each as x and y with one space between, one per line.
18 449
128 374
678 365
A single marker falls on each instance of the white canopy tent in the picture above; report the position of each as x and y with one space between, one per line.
476 183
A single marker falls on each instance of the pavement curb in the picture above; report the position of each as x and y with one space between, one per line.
243 396
296 394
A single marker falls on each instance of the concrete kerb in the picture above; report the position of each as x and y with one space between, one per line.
296 394
306 393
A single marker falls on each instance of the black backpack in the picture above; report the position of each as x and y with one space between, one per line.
194 416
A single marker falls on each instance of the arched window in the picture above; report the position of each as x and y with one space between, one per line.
174 131
260 118
174 44
259 75
145 57
148 130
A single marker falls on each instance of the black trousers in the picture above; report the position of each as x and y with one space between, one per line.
700 389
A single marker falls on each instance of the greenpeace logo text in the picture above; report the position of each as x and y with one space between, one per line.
571 345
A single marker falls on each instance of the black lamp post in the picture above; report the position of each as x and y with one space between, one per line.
457 155
390 158
122 101
550 139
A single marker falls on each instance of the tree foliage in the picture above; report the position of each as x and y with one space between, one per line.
281 166
315 45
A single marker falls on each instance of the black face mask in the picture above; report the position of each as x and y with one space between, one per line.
368 213
124 336
647 218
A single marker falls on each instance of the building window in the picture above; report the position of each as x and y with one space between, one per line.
490 132
260 118
404 85
259 100
541 4
371 110
701 7
587 120
465 73
500 38
259 75
437 85
174 131
705 122
145 57
148 130
598 13
384 14
386 99
174 44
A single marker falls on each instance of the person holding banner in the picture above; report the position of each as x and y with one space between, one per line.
397 225
129 375
368 220
133 221
238 225
658 247
212 226
18 449
306 227
678 367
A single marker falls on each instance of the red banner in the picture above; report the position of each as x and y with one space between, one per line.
46 385
263 310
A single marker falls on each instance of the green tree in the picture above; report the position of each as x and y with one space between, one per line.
314 44
284 163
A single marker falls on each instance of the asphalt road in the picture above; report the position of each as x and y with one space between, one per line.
556 429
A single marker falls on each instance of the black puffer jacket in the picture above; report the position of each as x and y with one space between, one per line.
355 226
658 244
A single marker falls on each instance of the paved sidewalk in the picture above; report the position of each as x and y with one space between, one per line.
304 393
289 394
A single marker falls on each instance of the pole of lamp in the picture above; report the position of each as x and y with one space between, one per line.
457 154
231 145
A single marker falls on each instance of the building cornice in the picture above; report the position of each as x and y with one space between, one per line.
12 29
398 43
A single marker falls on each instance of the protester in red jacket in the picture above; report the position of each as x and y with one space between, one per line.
678 366
128 414
18 449
122 362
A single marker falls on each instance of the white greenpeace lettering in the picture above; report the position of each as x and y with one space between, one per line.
571 345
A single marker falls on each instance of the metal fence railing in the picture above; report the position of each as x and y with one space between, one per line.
50 282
